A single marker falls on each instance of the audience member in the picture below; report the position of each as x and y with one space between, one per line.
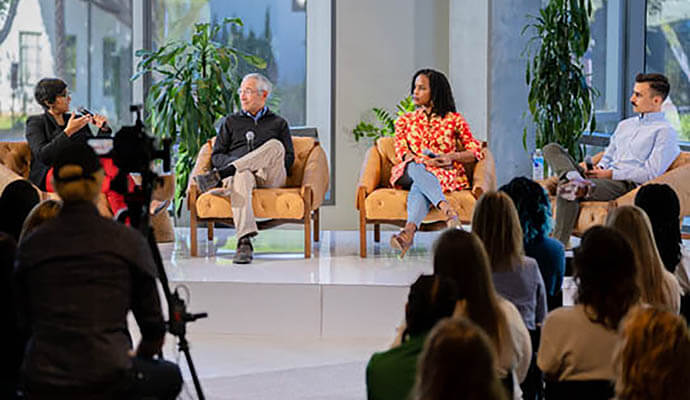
42 212
657 285
18 198
478 301
77 278
10 336
662 206
458 362
534 210
577 343
390 374
516 277
429 160
653 358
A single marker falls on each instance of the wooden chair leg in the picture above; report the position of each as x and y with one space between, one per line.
307 223
193 245
210 231
317 232
377 233
362 224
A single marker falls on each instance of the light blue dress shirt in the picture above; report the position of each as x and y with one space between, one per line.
641 148
258 114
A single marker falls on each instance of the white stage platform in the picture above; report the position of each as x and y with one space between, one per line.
334 294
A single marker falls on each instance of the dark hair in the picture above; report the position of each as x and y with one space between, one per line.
457 362
472 277
16 201
658 83
533 207
661 204
431 298
604 267
442 100
47 90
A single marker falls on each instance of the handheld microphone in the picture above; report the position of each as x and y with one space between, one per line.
85 111
250 139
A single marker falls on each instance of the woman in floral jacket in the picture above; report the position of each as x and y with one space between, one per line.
430 163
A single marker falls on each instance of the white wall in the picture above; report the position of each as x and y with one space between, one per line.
378 47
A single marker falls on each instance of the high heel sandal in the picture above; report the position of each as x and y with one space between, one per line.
402 241
453 220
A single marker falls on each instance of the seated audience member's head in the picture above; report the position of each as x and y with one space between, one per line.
661 204
604 268
458 362
496 222
460 256
653 359
430 299
44 211
78 174
633 224
533 208
18 198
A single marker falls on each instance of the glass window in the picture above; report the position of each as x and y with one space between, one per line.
667 52
70 39
273 30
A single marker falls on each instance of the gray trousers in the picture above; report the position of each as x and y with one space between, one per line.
264 168
567 211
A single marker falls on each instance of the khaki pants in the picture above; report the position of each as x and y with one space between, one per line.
263 168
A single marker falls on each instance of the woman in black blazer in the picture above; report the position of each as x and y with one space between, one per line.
51 131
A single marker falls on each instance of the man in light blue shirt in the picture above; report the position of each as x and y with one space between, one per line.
641 149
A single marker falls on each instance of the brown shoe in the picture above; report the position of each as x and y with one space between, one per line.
402 241
244 254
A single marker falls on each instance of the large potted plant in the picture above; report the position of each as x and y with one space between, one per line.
198 84
560 98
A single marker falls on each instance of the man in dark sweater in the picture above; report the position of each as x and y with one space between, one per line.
253 149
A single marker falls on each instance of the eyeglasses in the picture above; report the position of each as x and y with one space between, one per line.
247 91
64 94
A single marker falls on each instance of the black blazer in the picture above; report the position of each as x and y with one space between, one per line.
46 139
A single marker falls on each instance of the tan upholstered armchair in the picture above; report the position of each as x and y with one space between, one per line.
379 203
298 202
595 212
15 162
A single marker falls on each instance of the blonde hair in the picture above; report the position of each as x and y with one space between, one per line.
457 362
496 222
634 225
84 189
653 356
42 212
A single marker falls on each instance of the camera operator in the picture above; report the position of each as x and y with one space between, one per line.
78 275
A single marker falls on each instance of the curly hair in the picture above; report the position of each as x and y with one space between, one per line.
604 268
441 94
457 362
533 207
653 358
472 277
661 204
633 224
496 222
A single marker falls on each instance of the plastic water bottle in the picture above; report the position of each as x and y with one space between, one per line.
537 165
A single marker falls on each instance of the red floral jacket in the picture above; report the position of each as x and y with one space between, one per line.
415 132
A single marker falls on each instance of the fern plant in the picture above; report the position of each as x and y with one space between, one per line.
385 122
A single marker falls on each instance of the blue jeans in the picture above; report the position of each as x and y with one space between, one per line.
425 191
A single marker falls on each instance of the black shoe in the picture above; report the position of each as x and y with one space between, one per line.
244 254
207 181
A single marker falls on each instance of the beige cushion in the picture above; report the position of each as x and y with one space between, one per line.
390 204
267 203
